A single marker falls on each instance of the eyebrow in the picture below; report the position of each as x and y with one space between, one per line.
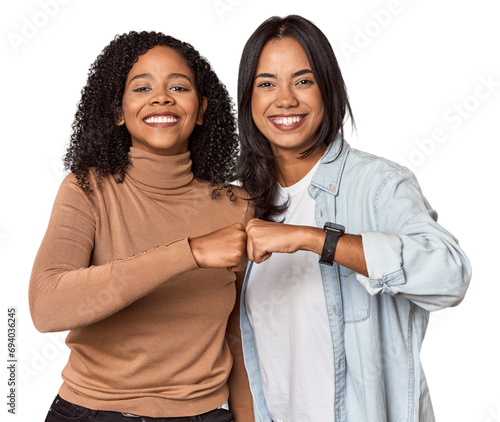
294 75
170 76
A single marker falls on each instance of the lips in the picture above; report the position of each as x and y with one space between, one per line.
286 122
161 119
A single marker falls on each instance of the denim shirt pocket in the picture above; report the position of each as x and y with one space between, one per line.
356 301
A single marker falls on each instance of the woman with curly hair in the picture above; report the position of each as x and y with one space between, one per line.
134 261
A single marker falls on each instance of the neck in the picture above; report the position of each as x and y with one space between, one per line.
160 173
290 168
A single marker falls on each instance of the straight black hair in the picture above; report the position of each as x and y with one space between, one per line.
256 160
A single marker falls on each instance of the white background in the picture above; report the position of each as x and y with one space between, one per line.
424 82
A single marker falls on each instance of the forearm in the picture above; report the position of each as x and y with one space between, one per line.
63 298
349 252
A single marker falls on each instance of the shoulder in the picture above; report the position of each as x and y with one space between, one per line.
245 204
229 198
72 179
366 177
227 192
71 184
374 170
237 191
90 190
373 164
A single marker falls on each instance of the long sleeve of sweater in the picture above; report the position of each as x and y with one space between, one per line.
66 293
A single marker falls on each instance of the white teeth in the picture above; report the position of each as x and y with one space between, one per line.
161 119
286 120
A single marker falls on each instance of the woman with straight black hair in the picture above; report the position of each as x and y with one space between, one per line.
338 339
256 159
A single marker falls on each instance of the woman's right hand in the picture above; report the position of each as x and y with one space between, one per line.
224 248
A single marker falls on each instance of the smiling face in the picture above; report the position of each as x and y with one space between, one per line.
286 102
160 105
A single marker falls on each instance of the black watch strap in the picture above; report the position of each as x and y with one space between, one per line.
333 232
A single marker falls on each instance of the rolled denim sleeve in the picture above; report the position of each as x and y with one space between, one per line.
410 254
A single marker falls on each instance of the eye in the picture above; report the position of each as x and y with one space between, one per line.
265 85
141 89
305 82
179 88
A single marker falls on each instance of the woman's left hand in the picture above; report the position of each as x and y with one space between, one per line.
266 237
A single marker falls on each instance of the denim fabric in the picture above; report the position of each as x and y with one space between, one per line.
378 322
64 411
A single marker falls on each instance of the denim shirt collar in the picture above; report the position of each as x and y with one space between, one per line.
329 173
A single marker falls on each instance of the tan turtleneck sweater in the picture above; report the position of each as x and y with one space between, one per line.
149 329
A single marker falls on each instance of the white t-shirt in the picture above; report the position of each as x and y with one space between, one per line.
286 307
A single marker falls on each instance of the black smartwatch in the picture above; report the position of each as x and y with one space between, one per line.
333 232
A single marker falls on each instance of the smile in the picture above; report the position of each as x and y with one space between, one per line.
161 120
287 122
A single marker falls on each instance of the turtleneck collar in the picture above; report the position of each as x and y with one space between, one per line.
160 173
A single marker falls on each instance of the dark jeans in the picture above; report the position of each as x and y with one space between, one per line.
64 411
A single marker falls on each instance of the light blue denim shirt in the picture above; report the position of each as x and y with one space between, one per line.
377 323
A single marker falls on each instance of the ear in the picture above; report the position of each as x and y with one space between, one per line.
119 119
201 110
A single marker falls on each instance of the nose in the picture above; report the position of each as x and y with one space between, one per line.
286 98
161 96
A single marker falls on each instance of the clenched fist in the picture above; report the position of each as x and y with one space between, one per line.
266 237
224 248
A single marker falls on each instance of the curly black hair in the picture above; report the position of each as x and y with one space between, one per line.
97 141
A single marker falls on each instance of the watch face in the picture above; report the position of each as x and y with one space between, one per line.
334 227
